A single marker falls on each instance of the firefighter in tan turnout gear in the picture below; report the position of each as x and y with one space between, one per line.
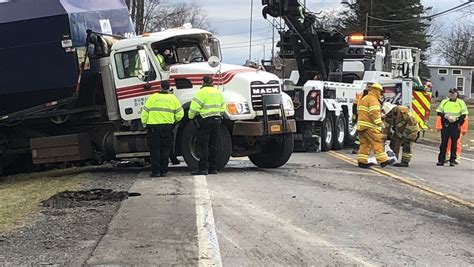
402 130
369 127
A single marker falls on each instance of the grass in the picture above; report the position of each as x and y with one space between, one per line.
20 195
432 135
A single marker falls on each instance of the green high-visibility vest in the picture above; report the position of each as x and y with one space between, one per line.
207 102
452 108
162 108
161 60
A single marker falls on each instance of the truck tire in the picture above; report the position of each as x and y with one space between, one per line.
351 135
340 131
275 153
189 150
327 132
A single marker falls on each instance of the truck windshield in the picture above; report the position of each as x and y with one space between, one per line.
190 53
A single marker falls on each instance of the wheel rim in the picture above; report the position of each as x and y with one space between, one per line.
341 126
352 130
328 127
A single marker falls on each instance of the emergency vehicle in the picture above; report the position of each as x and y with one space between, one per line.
342 66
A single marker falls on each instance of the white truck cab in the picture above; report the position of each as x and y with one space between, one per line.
257 121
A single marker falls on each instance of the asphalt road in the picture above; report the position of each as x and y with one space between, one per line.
319 209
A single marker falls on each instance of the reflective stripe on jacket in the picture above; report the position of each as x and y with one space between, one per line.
207 102
162 108
454 109
402 121
161 60
368 112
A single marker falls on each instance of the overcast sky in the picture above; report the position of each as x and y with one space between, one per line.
231 19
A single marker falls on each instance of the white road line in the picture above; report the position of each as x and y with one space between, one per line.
209 252
288 227
437 151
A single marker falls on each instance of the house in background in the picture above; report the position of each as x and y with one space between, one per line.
445 77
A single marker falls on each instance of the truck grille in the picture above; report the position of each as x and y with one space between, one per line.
257 89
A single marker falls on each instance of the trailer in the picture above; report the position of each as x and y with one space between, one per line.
78 80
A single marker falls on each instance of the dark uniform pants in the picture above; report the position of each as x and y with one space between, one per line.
207 143
160 142
451 131
396 143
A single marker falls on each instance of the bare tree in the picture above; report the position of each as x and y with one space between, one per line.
328 20
177 15
150 15
457 47
141 11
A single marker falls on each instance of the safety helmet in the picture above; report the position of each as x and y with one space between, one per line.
387 107
165 86
207 80
377 86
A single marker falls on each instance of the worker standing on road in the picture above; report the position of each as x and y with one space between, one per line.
452 112
161 111
358 96
369 127
402 130
464 128
207 108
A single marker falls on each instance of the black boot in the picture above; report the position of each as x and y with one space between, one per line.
384 164
213 171
199 172
401 164
174 160
364 165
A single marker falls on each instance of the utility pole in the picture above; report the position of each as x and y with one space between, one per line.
366 23
251 22
371 4
273 40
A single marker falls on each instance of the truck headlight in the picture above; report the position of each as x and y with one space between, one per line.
238 108
288 105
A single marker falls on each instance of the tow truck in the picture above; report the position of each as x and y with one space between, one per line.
323 70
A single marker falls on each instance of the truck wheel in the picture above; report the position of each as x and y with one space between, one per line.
191 154
327 132
351 135
275 153
340 129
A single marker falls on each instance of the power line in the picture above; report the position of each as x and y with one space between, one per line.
255 30
243 46
259 40
426 17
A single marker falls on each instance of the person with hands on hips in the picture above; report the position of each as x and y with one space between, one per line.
452 112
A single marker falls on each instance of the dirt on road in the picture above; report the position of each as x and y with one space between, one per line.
68 225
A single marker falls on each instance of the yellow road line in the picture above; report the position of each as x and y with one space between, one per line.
407 181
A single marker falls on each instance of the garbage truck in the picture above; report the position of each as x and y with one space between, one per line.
74 79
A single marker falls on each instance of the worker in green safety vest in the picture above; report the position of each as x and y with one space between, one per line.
166 58
453 112
206 109
161 111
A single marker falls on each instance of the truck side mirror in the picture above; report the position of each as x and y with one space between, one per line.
214 62
215 47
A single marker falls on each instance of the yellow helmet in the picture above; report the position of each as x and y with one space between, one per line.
377 86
